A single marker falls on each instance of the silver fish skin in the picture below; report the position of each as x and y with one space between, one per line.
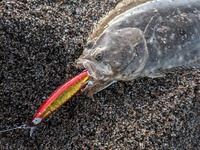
145 41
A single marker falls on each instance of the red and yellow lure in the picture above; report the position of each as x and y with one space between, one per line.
60 96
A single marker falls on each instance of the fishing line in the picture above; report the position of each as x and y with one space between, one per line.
20 127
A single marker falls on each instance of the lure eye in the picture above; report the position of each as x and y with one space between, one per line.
98 56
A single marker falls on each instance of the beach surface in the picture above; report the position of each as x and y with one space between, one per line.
39 43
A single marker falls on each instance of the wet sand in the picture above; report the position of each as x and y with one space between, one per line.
39 43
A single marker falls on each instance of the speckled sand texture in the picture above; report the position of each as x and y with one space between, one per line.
39 42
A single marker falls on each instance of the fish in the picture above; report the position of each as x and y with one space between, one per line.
147 40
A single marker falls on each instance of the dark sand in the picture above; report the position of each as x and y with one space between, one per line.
39 42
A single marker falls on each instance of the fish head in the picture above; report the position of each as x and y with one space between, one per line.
112 57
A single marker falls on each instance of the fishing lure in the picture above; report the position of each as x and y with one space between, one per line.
60 96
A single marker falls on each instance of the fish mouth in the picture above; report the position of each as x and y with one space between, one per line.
96 71
100 76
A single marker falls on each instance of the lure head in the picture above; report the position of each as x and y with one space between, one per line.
33 124
36 121
115 55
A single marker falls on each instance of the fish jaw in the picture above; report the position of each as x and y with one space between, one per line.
100 76
95 70
94 86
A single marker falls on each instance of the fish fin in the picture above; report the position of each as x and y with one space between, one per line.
155 75
93 88
194 64
190 65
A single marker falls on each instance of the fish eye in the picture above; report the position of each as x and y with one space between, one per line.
99 56
89 44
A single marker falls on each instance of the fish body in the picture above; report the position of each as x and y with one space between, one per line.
145 41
